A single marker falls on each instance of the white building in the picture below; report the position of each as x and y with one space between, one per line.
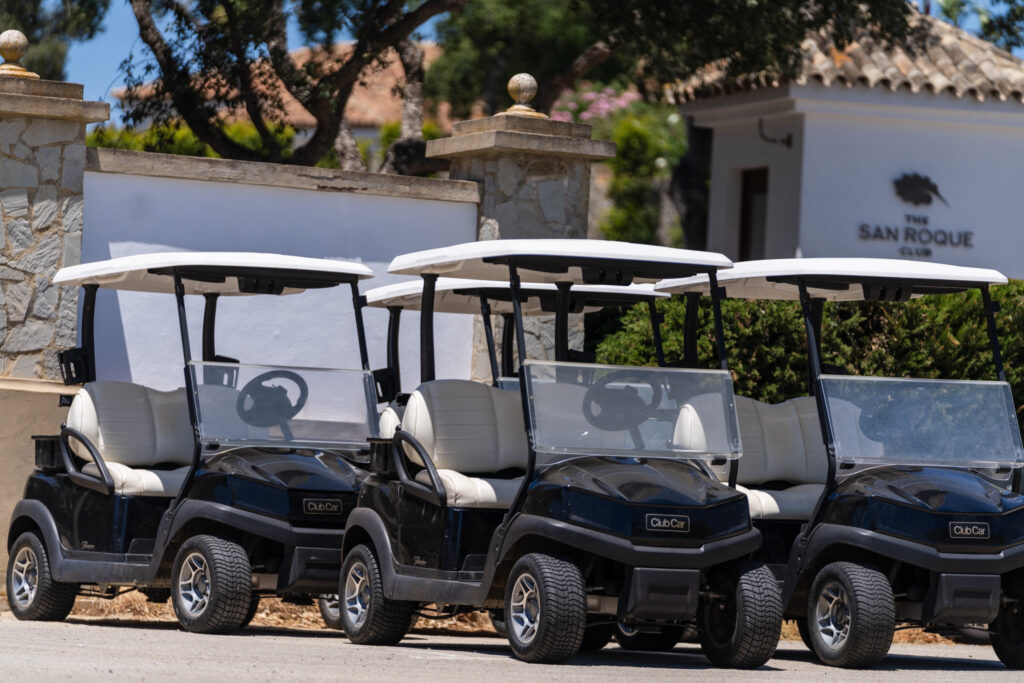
871 151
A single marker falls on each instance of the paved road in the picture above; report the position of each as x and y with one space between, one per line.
82 650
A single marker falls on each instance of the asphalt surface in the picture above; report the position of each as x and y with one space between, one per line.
83 650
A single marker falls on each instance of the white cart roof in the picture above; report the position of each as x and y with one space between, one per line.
455 295
553 260
221 272
836 279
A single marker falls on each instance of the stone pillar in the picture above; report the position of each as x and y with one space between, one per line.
534 176
42 166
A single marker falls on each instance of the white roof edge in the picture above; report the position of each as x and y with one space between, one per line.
468 260
133 272
753 276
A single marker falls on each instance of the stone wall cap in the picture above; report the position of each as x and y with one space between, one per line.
49 107
522 124
35 386
522 143
278 175
10 85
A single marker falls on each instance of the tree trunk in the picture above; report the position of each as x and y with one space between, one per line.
347 150
407 154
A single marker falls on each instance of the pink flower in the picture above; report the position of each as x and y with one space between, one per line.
589 96
572 106
561 116
586 116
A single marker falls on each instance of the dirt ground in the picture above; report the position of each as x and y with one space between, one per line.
275 613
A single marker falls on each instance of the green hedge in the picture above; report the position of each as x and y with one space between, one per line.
939 336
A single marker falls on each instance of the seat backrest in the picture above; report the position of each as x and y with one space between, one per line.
467 426
132 425
781 442
389 422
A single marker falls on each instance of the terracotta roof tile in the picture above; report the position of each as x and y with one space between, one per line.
938 58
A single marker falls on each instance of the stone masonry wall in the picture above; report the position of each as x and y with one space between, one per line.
41 171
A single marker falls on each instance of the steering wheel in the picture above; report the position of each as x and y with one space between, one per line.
621 408
263 405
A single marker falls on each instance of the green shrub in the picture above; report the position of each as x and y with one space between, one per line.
935 336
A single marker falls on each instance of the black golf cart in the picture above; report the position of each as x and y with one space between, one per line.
234 486
566 507
882 501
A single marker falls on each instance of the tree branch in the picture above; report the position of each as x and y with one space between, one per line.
177 83
592 57
245 84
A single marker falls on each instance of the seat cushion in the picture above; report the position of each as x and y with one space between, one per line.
474 492
134 481
795 502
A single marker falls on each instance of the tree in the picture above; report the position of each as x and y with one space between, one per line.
955 11
647 41
1002 23
233 55
49 27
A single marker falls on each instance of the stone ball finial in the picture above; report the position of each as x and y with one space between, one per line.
13 46
523 88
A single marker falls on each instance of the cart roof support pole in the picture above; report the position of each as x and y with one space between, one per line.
209 326
656 320
358 302
690 330
517 312
394 362
427 373
508 333
89 331
562 303
492 353
991 308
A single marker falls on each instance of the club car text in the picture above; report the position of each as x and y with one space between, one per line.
968 530
321 506
677 523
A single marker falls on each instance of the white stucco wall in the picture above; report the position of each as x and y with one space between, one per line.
832 194
137 334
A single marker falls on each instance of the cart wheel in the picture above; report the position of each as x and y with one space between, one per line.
661 640
851 615
596 637
254 607
740 621
367 617
805 633
31 591
211 588
1007 631
545 608
330 610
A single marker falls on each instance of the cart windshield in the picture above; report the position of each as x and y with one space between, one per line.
584 409
262 405
880 420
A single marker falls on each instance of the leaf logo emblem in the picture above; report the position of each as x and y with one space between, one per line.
917 189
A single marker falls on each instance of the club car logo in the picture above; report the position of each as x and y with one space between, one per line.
321 506
677 523
968 530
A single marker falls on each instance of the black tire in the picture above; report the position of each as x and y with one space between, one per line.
330 610
254 607
662 640
219 571
382 621
864 607
1007 631
497 618
740 629
805 633
596 637
552 590
32 593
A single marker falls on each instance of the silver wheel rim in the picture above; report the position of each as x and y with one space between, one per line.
194 584
525 608
832 615
24 577
357 594
331 604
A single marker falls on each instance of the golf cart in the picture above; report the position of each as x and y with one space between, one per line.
568 506
882 500
236 485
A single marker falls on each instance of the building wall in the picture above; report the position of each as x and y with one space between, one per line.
850 207
737 147
137 333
